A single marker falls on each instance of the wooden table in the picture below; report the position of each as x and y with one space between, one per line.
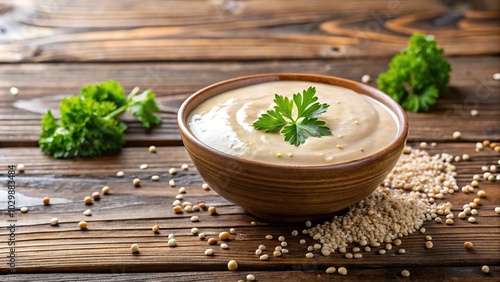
50 48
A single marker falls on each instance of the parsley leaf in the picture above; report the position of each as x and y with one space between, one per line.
89 124
295 129
417 74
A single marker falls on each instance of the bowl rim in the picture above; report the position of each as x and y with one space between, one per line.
364 89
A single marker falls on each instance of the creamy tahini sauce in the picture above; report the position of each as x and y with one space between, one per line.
359 124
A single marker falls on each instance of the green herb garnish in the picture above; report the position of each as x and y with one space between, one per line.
417 74
295 129
89 124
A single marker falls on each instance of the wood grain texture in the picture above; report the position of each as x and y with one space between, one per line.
43 85
127 215
99 31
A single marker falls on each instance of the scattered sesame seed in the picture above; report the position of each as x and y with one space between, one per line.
496 76
423 145
87 212
457 135
468 244
177 209
472 219
295 233
331 270
497 210
46 200
485 269
277 253
433 144
171 236
155 229
250 277
232 231
87 200
212 241
474 113
20 168
105 190
405 273
269 237
134 248
155 178
382 251
449 221
209 252
212 210
152 149
481 193
264 257
429 244
232 265
182 190
24 209
120 174
309 255
258 252
224 246
397 242
302 241
342 271
136 182
143 166
194 218
184 166
14 90
172 171
171 182
253 223
401 251
83 225
358 255
54 221
172 242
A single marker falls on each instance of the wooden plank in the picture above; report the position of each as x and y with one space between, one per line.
42 86
127 215
65 31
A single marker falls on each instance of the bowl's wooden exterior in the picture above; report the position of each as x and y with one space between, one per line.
291 193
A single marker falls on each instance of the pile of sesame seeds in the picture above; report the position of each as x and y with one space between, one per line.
407 198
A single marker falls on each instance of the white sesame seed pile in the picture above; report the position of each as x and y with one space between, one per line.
406 199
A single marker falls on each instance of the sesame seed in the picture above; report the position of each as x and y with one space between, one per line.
342 271
496 76
209 252
201 236
205 186
120 174
224 246
24 209
172 171
194 218
269 237
401 251
457 135
295 233
143 166
171 182
212 241
468 244
309 255
152 149
155 178
264 257
302 241
258 252
250 277
331 270
105 190
405 273
485 269
277 253
87 213
54 221
481 194
232 231
429 244
212 210
172 242
182 190
472 219
14 90
474 113
134 248
136 182
497 210
184 167
83 225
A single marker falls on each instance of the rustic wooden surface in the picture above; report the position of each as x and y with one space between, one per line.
50 48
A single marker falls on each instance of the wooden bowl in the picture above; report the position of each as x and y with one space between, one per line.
291 193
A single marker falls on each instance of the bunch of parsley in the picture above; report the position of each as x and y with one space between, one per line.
417 74
89 124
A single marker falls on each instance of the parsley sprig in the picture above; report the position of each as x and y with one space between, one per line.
89 124
296 128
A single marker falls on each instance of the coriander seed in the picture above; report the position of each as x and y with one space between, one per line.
205 186
485 269
468 244
212 210
96 196
20 168
152 149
